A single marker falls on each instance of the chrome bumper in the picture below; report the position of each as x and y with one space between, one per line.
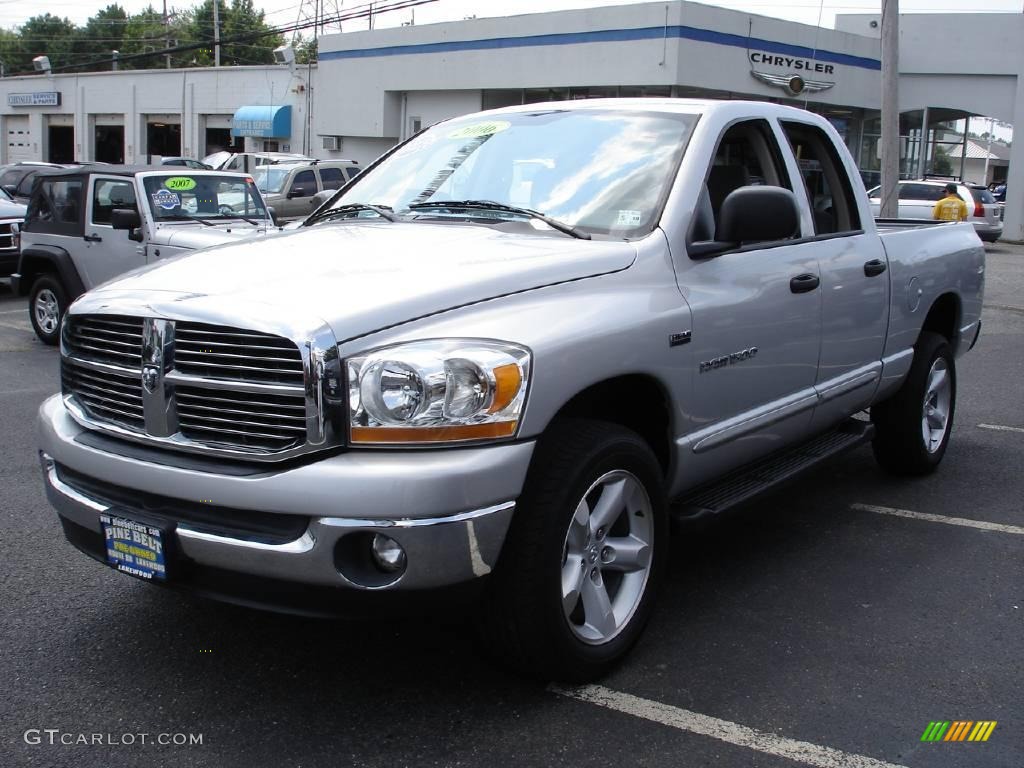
450 510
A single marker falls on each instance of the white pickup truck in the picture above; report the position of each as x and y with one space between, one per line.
500 360
84 226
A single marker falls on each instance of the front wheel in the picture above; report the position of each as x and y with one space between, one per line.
585 554
47 302
912 428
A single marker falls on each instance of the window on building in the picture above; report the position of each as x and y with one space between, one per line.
826 182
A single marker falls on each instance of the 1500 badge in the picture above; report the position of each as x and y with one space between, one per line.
721 362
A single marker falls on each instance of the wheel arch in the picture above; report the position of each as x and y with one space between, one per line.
37 260
649 413
943 318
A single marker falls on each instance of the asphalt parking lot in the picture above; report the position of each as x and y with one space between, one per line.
828 625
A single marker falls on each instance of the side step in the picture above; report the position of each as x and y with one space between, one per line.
743 484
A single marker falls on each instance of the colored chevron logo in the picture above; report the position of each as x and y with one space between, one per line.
958 730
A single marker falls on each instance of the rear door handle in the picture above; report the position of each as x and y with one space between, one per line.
804 283
874 267
92 238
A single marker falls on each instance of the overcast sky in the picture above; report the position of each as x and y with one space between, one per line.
279 12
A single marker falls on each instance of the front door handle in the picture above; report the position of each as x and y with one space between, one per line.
804 283
874 267
92 238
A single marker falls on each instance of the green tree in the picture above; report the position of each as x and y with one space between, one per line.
305 50
50 36
240 19
102 34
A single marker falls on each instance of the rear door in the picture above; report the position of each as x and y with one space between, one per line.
108 251
854 277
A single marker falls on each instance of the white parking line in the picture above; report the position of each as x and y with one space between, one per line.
979 524
723 730
1001 428
13 311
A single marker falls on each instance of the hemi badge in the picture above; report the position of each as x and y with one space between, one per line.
679 338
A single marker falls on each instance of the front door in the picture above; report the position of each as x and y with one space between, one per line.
109 252
299 191
756 322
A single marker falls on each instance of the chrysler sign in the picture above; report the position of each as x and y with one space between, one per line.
37 99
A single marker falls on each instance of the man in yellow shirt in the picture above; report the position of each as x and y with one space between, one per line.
951 207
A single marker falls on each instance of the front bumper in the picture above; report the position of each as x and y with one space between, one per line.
449 509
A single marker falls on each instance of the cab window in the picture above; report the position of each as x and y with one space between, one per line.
332 178
56 207
303 185
825 180
108 194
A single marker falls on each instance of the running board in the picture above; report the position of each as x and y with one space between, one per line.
743 484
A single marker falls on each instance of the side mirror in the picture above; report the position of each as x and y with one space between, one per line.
10 189
752 214
300 192
125 218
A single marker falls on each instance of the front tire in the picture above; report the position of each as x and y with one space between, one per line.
46 306
912 428
584 556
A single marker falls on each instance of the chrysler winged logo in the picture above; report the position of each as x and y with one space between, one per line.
150 378
794 84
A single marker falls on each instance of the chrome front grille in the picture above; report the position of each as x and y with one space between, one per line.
232 353
200 387
105 393
6 237
262 421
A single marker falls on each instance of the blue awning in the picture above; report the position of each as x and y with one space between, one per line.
266 122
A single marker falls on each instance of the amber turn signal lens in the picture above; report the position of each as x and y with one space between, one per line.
389 435
507 380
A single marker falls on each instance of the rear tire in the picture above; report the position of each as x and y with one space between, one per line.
912 428
584 556
47 303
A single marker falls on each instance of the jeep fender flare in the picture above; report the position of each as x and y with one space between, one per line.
39 259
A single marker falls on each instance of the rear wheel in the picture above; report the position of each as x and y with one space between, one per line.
585 554
47 302
914 425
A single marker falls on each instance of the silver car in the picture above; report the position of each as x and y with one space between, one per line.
917 199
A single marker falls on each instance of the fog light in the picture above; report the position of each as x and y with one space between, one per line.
388 554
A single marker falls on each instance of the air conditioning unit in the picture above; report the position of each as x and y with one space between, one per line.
332 143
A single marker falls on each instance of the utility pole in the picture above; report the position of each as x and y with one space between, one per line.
167 35
890 109
988 149
216 33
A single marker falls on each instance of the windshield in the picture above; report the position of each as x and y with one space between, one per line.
185 196
603 171
270 178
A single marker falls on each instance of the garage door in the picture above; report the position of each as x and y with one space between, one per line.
19 139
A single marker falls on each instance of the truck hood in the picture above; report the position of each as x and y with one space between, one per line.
11 210
360 277
196 236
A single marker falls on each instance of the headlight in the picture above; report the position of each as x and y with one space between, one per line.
440 391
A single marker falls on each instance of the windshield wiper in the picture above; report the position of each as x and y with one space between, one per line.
492 205
237 216
384 211
184 217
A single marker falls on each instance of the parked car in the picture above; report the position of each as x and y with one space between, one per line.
12 216
917 199
456 380
84 226
187 162
16 180
289 187
249 161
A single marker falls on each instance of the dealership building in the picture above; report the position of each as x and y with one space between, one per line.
371 89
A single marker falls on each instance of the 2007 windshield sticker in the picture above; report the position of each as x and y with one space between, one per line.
182 183
166 199
477 130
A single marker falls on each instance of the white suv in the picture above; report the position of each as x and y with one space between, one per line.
917 198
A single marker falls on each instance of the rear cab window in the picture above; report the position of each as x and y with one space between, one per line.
826 182
332 178
56 206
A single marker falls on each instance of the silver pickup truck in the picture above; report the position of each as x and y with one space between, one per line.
85 226
500 361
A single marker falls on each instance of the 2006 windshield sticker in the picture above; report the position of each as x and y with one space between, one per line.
182 183
477 130
166 199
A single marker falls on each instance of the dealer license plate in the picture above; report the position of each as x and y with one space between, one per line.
134 548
